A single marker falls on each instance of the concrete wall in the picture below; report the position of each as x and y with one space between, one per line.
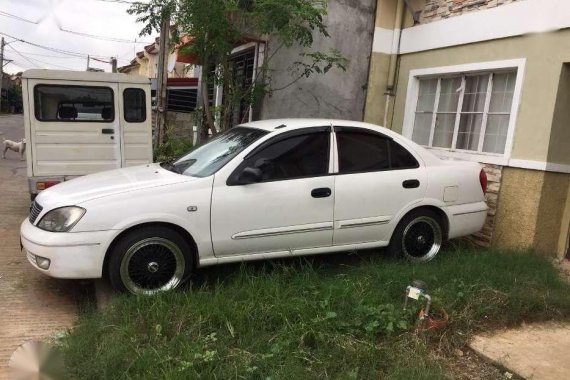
379 66
559 147
336 94
545 54
531 210
564 239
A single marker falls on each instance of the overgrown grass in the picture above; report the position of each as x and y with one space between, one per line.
335 316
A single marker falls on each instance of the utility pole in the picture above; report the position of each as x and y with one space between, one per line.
162 77
1 69
87 62
113 64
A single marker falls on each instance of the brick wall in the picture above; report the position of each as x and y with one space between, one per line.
435 10
484 237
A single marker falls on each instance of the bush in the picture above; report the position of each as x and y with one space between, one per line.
172 147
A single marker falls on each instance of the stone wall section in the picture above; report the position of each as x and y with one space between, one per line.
182 124
484 237
435 10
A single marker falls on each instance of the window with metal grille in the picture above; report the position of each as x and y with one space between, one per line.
243 68
181 99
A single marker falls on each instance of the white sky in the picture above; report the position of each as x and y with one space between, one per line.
107 19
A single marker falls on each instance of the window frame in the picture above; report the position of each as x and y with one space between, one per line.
138 89
73 86
340 129
480 68
232 179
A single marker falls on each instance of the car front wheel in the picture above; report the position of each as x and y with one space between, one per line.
418 237
150 260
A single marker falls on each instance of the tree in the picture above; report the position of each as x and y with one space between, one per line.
217 26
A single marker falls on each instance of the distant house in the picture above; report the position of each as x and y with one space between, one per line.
479 81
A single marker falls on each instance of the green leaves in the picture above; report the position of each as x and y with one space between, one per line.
216 27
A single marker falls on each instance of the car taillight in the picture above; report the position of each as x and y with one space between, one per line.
483 180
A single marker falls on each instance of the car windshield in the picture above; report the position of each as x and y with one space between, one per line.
206 159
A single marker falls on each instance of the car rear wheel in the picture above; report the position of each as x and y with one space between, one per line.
150 260
418 237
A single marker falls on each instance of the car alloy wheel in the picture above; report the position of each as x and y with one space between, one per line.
421 239
152 265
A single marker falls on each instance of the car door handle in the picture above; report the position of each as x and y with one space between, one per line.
411 183
108 131
321 192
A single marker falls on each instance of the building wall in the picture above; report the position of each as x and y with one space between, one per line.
375 106
435 10
336 94
564 239
531 210
529 205
544 53
559 145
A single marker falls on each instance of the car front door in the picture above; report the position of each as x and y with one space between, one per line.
377 178
288 204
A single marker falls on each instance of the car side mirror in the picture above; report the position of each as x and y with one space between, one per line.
249 175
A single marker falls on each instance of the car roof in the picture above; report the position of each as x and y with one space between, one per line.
88 76
283 125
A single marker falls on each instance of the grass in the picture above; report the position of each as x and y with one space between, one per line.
335 316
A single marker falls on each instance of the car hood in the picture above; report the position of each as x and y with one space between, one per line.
104 184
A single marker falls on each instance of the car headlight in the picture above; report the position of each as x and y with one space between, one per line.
61 219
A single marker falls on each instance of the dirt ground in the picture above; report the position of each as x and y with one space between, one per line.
33 305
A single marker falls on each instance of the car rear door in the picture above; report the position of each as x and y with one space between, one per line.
135 124
377 178
74 127
290 208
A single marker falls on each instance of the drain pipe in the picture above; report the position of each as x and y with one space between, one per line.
397 36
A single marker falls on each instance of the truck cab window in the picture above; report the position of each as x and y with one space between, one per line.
65 103
134 105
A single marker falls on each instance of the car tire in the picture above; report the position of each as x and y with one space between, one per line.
150 260
418 237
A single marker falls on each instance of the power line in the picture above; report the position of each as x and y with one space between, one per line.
104 38
57 50
26 58
49 55
6 14
121 1
33 60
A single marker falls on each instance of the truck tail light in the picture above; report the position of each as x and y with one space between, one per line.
483 180
45 185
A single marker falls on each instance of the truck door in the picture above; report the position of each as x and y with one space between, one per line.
74 127
136 123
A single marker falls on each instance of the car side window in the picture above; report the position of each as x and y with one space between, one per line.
400 158
362 151
298 156
134 105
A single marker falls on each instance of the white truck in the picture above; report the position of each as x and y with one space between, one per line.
78 123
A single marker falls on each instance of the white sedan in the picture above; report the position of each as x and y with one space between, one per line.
274 188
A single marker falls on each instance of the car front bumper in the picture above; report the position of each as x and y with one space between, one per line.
71 254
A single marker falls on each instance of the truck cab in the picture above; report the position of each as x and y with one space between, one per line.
78 123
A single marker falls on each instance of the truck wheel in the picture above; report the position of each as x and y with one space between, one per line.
418 237
150 260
